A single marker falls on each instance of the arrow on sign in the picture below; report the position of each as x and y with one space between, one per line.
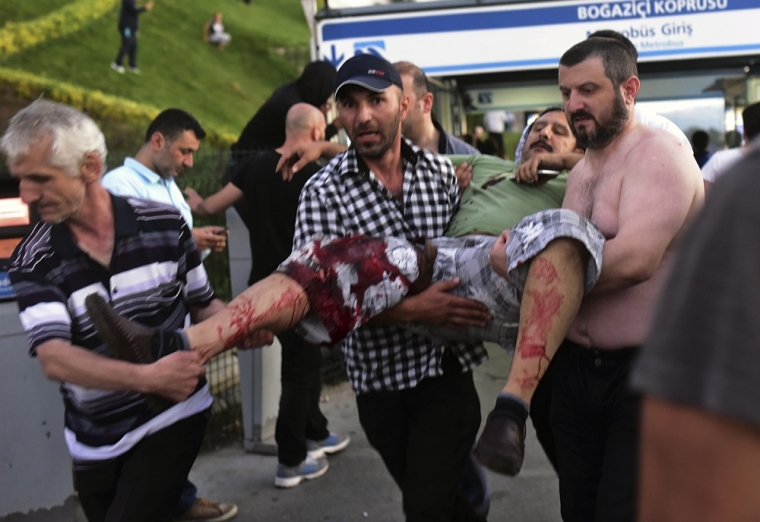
336 61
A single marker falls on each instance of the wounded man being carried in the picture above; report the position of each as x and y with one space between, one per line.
349 280
531 279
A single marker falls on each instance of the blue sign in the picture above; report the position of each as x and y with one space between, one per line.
534 34
524 15
6 289
374 47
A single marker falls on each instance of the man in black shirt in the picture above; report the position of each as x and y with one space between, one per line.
266 129
270 213
128 25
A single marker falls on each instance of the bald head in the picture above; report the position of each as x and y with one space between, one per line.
304 122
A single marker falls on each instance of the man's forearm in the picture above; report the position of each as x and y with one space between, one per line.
404 312
707 469
331 149
174 376
64 362
560 160
622 267
218 202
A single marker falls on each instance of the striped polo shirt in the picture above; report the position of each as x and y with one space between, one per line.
154 277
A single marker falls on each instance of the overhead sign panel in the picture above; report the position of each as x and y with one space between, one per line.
534 35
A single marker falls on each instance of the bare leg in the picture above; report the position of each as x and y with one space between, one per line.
551 299
340 278
275 304
334 276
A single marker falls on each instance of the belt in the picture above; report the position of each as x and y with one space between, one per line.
624 353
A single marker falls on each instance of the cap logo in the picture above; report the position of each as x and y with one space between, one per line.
376 72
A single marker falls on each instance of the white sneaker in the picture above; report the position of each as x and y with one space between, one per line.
118 68
134 70
290 477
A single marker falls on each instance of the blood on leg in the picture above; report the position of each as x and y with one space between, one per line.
551 298
275 303
535 334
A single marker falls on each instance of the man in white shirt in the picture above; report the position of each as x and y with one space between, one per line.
496 122
170 142
723 160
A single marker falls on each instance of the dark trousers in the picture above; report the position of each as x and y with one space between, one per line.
424 436
539 416
128 47
299 417
474 486
145 483
595 420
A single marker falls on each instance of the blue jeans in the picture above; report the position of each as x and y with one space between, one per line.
474 487
128 47
188 497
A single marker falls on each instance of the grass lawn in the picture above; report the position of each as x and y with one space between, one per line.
223 89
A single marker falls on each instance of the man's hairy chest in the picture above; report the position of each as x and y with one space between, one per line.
596 195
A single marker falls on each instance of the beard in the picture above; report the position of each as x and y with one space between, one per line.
167 171
387 137
604 131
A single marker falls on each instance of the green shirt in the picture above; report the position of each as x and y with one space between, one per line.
493 203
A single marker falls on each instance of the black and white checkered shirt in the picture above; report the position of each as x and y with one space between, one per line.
347 198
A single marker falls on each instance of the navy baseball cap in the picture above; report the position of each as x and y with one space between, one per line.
368 71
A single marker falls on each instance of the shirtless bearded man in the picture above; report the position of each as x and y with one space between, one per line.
641 187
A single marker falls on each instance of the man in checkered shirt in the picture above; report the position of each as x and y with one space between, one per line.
416 398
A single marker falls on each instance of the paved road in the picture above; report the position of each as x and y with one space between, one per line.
357 487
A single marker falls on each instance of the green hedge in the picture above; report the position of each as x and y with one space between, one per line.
95 103
17 36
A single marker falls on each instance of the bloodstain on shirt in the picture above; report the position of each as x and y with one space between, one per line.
367 257
493 180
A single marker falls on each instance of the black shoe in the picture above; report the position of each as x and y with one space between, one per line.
128 340
501 446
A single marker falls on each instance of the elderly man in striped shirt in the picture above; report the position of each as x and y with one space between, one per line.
130 460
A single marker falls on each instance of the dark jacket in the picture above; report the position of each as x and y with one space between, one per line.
128 15
270 209
266 130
